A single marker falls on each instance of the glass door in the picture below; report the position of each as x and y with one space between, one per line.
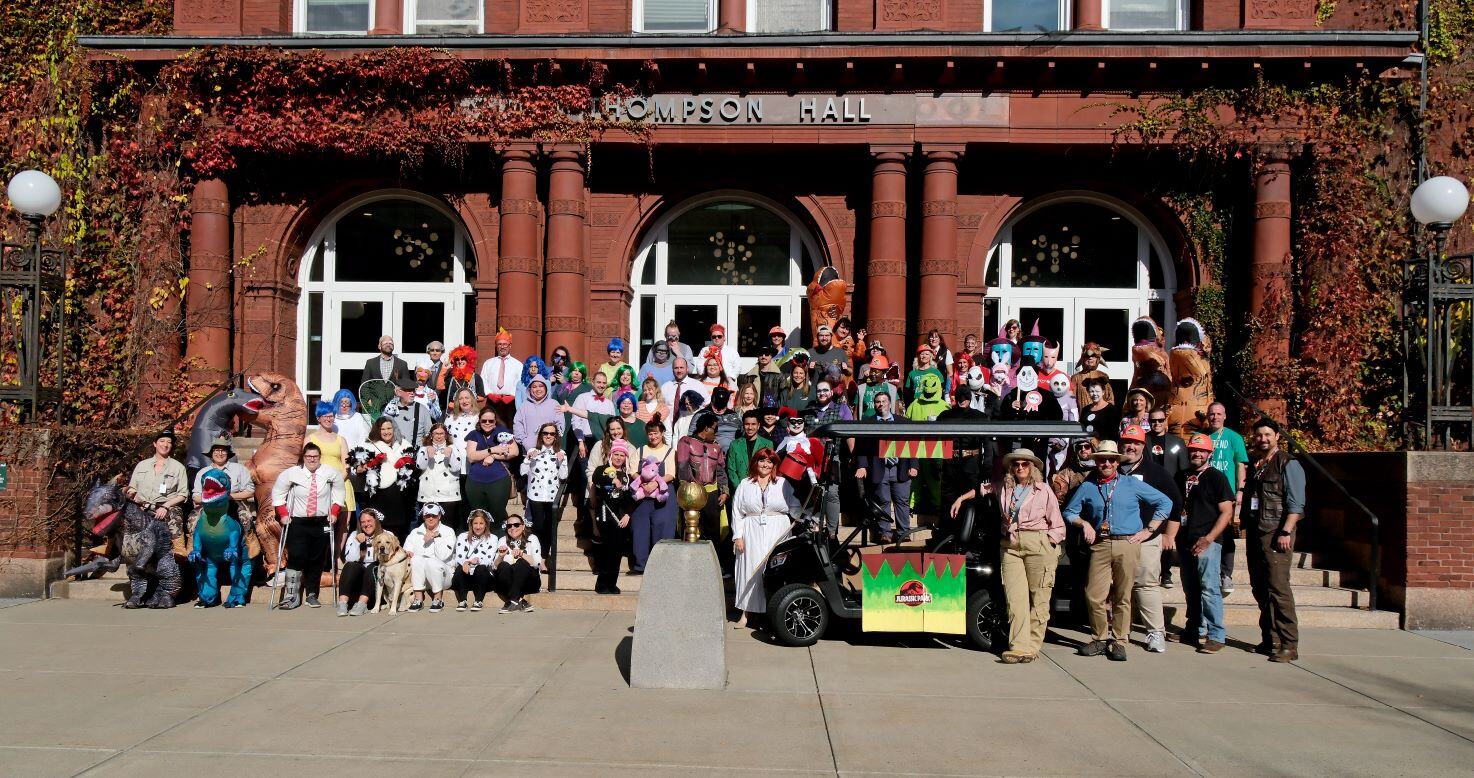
747 317
356 320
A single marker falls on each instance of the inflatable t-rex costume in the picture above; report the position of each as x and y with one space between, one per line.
144 544
213 421
1149 355
1192 378
285 419
219 542
827 295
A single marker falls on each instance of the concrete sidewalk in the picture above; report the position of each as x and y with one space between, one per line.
92 688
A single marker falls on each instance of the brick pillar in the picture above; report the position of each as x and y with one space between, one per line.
208 311
1269 291
388 17
885 273
566 304
518 283
939 269
1088 15
731 15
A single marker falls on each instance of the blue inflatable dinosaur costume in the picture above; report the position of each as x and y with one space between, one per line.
219 543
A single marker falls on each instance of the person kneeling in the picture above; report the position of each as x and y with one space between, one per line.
430 547
517 560
475 551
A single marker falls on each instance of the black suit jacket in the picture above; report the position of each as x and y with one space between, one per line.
869 457
371 369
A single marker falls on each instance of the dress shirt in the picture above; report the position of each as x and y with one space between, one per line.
502 375
293 488
1126 505
672 396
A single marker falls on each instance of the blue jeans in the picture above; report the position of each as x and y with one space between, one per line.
890 495
1202 587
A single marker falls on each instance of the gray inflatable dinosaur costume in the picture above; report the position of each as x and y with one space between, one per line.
145 547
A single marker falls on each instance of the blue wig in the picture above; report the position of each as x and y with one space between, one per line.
352 401
616 344
542 369
621 397
323 408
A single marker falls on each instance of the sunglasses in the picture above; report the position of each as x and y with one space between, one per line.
512 524
437 351
1158 421
550 433
488 421
1021 463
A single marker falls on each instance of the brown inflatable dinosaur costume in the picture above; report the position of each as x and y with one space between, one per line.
1192 378
285 420
827 295
1149 355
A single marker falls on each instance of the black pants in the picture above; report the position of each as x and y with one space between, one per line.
711 529
516 579
540 519
307 550
609 554
390 501
356 581
478 582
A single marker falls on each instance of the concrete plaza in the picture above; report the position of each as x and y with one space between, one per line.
91 688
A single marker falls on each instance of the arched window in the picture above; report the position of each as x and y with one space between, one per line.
391 263
734 260
1084 267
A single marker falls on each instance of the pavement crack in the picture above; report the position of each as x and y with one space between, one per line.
823 714
1384 703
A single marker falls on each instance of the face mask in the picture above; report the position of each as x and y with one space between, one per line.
1027 379
1059 385
1035 349
1002 354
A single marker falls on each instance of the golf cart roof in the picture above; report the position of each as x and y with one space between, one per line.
944 430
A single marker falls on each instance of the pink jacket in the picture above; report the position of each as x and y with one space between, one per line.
1040 511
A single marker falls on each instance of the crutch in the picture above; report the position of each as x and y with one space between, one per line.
281 564
332 530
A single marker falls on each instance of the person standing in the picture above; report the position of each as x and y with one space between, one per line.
546 469
539 408
673 339
1033 529
412 419
654 519
1169 451
162 485
612 487
743 449
1097 415
615 361
762 511
1108 510
385 365
436 364
1231 458
729 422
500 376
488 481
829 407
430 547
385 491
825 354
701 460
242 486
1147 590
767 375
1206 513
889 480
334 447
461 375
798 393
308 499
440 466
681 382
1276 496
658 365
352 425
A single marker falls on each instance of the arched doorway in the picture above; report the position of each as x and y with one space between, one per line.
393 263
735 259
1085 266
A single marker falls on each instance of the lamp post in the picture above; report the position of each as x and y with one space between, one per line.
32 284
1445 284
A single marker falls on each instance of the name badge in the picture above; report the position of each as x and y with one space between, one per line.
163 487
1253 503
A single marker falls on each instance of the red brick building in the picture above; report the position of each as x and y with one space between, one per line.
953 159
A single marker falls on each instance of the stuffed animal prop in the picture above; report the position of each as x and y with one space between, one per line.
827 295
219 542
650 483
1149 356
1192 378
1030 399
144 545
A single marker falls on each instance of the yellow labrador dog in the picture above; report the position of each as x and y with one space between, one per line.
393 564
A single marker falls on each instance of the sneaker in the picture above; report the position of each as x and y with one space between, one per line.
436 606
476 607
312 601
1227 585
1116 651
1210 647
1167 582
524 605
416 606
1156 642
1093 648
461 606
343 608
359 608
509 607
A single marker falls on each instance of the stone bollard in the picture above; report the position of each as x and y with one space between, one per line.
680 622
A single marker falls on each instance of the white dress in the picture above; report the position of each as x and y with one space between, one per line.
760 519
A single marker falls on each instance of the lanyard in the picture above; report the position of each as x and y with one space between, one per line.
1106 495
1189 485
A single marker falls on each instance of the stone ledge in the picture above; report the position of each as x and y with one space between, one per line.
1440 466
1430 608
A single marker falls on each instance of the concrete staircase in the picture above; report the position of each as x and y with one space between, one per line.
1320 600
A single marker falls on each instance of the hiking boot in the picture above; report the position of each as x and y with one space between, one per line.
343 608
1210 647
1156 642
1285 655
1093 648
1116 651
359 608
1012 657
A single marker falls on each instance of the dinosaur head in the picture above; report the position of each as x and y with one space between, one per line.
104 505
214 490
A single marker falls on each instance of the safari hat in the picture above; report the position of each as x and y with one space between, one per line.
1106 449
1024 454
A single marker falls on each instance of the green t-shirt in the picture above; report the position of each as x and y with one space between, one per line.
1228 453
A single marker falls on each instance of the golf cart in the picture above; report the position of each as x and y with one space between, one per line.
949 585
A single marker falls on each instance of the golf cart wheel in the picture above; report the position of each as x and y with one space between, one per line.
798 615
985 619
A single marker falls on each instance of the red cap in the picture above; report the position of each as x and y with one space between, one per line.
879 362
1134 432
778 330
1200 442
925 347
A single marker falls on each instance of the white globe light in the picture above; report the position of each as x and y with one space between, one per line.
1440 200
34 193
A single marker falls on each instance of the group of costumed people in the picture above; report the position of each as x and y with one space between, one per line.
618 440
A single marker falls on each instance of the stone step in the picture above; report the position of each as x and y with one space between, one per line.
1326 596
1308 616
580 581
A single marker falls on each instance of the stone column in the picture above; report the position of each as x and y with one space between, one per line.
731 15
517 280
1269 292
208 311
939 268
885 274
566 305
389 17
1088 15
